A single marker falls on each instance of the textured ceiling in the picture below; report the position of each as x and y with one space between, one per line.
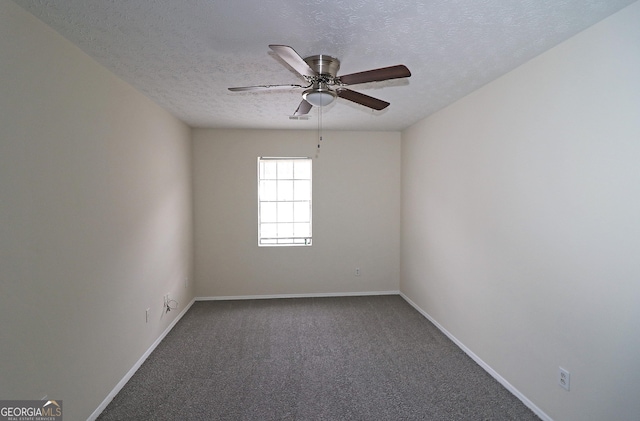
185 54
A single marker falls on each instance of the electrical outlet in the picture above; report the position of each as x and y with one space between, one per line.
147 315
186 282
564 378
167 300
357 271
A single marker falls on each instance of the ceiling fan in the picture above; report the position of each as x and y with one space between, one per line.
320 73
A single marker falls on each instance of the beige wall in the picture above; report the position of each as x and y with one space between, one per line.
95 219
356 214
521 222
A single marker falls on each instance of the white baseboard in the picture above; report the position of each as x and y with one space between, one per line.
314 295
137 365
481 363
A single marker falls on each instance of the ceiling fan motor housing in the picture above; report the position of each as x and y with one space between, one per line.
326 68
324 65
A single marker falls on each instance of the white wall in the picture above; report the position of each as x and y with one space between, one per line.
356 214
95 219
521 222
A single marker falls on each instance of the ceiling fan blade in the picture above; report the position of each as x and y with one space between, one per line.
362 99
303 108
262 87
376 75
293 59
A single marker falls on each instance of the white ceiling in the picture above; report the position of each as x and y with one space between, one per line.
185 54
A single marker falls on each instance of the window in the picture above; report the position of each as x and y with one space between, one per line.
284 201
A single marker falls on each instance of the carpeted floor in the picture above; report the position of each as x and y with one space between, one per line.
345 358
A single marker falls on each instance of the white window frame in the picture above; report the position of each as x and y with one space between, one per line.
296 229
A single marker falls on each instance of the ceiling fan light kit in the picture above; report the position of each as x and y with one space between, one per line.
320 73
319 97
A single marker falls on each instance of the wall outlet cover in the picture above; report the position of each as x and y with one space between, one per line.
564 378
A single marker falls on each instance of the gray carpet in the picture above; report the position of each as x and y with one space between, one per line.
346 358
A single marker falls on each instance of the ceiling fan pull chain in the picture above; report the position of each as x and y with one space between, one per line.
319 130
